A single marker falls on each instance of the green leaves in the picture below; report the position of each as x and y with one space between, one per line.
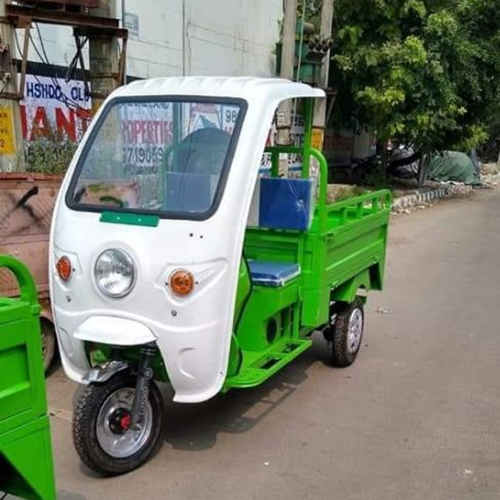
414 52
421 71
414 6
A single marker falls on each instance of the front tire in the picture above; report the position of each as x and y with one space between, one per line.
101 418
346 334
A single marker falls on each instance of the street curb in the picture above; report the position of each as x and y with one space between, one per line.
411 200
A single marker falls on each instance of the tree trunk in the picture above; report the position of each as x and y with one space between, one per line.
385 159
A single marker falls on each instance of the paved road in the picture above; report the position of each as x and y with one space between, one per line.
417 416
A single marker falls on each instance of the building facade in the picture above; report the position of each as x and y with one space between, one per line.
166 38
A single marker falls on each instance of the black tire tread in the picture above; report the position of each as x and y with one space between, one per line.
340 355
84 431
49 343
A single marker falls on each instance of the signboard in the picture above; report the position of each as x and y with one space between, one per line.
54 109
131 22
317 138
6 131
146 129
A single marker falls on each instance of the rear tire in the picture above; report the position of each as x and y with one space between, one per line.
100 433
346 334
49 343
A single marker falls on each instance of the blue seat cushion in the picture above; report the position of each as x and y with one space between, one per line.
273 274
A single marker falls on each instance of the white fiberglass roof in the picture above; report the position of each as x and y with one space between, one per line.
247 88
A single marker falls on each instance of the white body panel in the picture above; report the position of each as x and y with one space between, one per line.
193 333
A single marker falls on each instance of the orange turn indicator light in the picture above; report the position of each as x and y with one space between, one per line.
181 282
63 268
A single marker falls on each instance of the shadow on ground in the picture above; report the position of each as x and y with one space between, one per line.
195 427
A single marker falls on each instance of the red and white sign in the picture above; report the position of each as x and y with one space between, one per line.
54 109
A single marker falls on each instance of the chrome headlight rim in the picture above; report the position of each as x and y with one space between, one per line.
131 263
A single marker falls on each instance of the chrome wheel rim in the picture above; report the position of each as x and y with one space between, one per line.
355 330
127 442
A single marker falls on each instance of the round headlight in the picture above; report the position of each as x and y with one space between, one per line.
114 273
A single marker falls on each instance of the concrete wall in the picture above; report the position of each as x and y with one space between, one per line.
185 37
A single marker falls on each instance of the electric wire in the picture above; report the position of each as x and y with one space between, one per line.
62 97
20 53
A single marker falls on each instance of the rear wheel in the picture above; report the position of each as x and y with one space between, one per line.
48 343
346 333
101 426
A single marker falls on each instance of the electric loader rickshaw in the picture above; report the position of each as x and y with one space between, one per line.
176 259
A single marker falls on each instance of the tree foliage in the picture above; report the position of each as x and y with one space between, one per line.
419 71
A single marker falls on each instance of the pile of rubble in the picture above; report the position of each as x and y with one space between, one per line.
490 174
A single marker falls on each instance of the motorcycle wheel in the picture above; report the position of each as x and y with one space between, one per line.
101 426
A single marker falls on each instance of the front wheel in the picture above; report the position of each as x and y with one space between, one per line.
346 334
101 426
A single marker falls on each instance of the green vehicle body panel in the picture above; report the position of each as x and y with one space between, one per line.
342 254
26 466
265 304
336 264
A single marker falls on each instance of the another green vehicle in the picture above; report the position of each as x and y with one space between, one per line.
174 260
26 468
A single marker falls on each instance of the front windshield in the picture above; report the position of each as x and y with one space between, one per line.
166 157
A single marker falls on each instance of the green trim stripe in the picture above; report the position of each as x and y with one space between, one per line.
130 219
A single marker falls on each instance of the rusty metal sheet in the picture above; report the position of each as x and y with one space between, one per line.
18 15
81 3
26 206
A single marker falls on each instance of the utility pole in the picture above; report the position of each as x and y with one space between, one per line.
104 57
287 68
11 135
320 105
